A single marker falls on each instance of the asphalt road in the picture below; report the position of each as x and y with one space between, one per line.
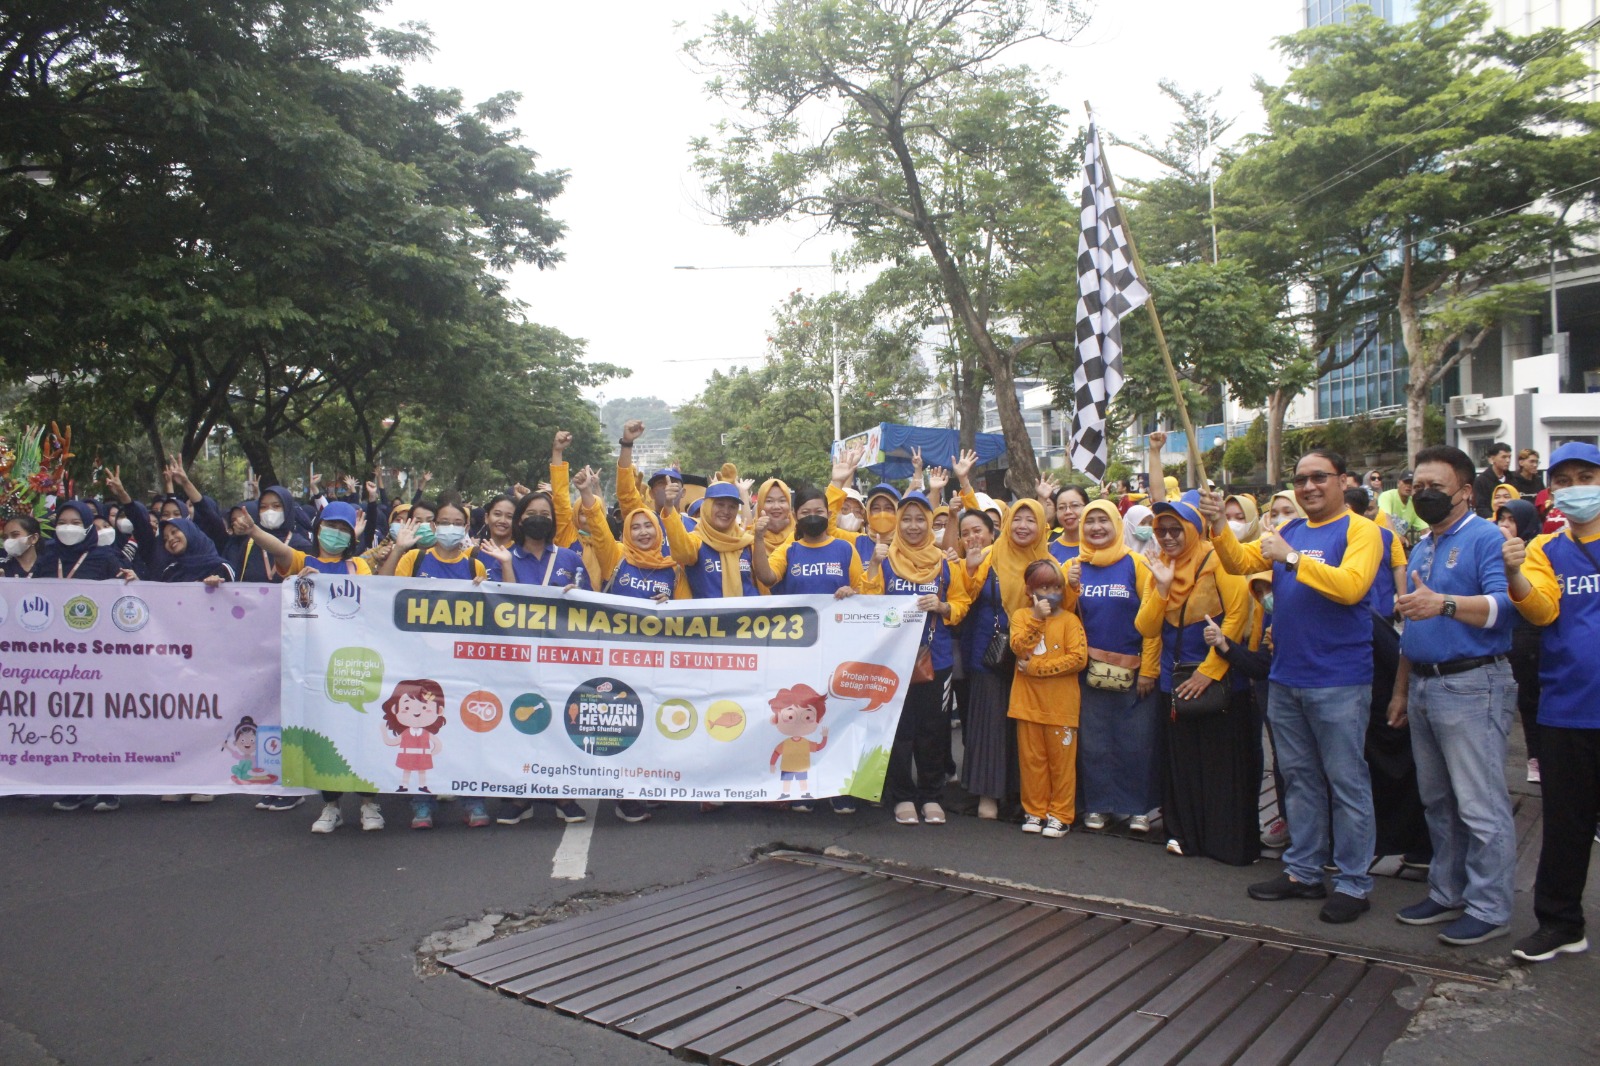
220 934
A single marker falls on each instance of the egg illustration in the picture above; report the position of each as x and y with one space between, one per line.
676 719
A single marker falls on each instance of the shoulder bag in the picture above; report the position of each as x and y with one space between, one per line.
997 654
1214 700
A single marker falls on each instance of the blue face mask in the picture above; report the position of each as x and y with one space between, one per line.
1580 503
450 537
333 541
1143 533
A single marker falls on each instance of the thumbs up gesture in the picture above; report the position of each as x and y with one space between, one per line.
1213 635
1420 602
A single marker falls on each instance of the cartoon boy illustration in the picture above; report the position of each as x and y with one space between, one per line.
797 712
241 744
412 717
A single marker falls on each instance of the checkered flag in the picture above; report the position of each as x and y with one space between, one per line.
1108 288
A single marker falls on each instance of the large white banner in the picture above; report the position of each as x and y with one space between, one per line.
522 691
108 687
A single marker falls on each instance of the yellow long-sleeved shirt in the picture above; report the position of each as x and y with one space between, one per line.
1235 595
1051 652
1542 605
1346 583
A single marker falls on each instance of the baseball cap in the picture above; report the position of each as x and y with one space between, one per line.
340 512
721 490
1576 451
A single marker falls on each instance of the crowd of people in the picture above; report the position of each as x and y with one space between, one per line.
1109 657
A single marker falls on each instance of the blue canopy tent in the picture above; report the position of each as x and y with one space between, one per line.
889 444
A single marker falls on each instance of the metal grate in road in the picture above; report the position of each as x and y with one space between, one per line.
805 960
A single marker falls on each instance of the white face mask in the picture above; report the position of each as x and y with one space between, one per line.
15 546
107 537
125 526
1239 529
71 536
271 519
850 523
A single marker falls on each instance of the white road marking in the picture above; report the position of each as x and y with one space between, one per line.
572 856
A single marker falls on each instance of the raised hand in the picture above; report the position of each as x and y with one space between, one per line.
1420 602
1213 635
1274 548
350 482
746 484
1158 439
316 480
519 490
916 463
962 467
632 430
938 478
404 533
1041 608
1210 507
488 547
372 490
427 476
1513 552
545 486
1163 572
844 468
1075 573
1047 487
561 442
115 487
762 522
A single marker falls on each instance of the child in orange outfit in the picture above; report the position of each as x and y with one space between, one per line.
1051 651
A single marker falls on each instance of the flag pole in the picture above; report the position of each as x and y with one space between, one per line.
1155 323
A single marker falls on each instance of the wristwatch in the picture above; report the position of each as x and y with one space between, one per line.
1292 560
1449 608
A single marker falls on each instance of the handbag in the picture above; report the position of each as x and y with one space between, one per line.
923 671
1111 671
1214 700
997 654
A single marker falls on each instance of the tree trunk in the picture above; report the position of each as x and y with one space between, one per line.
1277 412
260 457
1418 382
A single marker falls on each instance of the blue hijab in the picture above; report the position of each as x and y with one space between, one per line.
86 559
199 559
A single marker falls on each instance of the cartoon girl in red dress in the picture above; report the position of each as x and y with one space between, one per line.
412 717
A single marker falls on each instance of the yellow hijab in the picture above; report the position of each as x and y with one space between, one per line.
1287 494
729 545
1193 560
771 539
1252 517
1112 553
1009 561
920 565
644 558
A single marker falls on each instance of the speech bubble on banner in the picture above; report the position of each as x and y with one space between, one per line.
865 681
355 677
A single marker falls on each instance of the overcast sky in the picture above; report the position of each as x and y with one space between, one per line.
609 96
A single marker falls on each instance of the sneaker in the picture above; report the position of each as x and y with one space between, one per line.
988 808
1285 887
1533 771
707 806
1094 821
1548 942
1174 848
201 797
1343 908
632 811
329 820
477 813
569 811
1428 913
70 803
1055 827
1139 823
1275 835
843 804
1032 823
933 814
371 816
1467 930
905 813
280 803
801 806
1415 860
421 814
107 803
174 798
513 811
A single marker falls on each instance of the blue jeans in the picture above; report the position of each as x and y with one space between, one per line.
1319 735
1459 725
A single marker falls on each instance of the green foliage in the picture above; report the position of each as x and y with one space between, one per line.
310 760
1239 459
866 780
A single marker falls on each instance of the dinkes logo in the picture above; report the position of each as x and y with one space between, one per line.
130 614
80 613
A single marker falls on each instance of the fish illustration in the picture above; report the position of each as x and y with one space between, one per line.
726 720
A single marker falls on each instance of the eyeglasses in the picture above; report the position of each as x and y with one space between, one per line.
1319 477
1376 478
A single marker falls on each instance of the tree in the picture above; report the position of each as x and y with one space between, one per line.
1422 168
876 118
777 419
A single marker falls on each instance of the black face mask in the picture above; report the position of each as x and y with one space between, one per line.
1432 505
538 527
811 526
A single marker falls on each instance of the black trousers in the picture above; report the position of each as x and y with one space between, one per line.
1569 766
922 738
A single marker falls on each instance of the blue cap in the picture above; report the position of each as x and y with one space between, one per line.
1575 451
885 490
915 496
340 512
1185 511
694 508
721 490
664 472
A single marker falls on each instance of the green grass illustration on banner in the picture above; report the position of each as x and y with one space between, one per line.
311 761
866 782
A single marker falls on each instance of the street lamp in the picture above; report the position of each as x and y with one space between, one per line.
833 340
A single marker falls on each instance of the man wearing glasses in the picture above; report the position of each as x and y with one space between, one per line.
1321 681
1455 689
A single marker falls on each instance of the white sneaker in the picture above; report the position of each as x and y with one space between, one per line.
1094 821
1139 823
329 820
1533 771
200 797
371 816
172 799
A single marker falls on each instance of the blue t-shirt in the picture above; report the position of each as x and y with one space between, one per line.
1569 696
822 570
705 576
1466 561
978 627
557 567
895 585
1063 553
1317 643
430 565
642 584
1381 598
1108 601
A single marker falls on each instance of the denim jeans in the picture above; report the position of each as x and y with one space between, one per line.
1459 725
1319 735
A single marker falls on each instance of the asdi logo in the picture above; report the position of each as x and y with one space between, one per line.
344 599
34 613
80 613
